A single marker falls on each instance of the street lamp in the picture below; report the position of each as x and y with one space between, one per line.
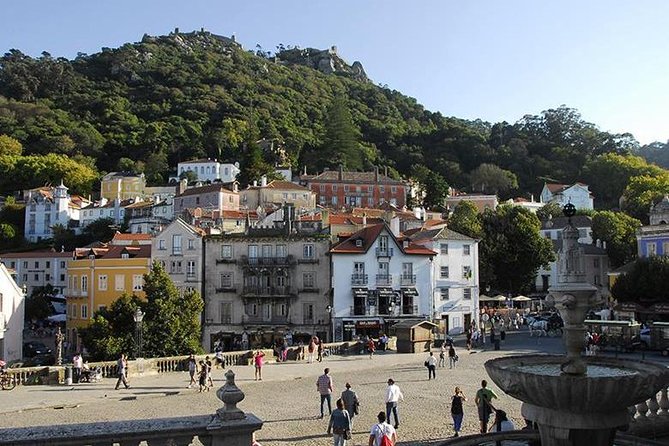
138 317
329 309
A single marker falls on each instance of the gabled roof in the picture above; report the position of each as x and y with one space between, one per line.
120 236
555 188
579 221
282 185
35 254
588 249
441 234
199 161
353 177
218 187
115 252
368 235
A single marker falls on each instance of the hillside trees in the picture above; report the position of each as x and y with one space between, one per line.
618 230
646 283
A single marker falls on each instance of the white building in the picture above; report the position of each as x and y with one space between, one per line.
577 194
49 206
36 269
12 308
379 279
210 170
178 248
455 270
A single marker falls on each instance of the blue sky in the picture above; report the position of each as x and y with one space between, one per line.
488 59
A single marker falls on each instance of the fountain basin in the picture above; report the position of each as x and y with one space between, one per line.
610 385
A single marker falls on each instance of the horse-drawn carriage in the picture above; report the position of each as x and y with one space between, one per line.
615 335
545 325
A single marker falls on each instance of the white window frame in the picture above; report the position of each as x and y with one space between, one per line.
119 282
137 282
103 282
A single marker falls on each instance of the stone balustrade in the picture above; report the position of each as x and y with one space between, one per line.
530 436
650 418
229 426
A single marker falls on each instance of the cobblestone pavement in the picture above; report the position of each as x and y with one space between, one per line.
287 399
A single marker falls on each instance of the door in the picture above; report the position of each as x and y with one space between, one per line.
468 321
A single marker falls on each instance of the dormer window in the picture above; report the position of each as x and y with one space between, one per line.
358 243
125 255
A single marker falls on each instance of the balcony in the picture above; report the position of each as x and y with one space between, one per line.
309 290
226 289
255 290
226 260
250 319
384 252
191 277
268 261
359 279
408 279
384 279
308 260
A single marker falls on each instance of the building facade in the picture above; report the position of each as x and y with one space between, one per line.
378 280
266 283
577 194
122 186
653 239
178 248
277 193
213 196
49 206
99 276
37 269
481 201
210 170
12 310
455 272
338 189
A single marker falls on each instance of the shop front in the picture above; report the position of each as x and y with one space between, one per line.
355 329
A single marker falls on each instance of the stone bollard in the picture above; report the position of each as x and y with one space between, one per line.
231 426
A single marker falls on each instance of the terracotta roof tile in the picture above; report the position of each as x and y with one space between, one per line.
131 237
206 190
353 177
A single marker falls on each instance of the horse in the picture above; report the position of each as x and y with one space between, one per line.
540 326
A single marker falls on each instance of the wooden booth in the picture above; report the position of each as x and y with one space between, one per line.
414 335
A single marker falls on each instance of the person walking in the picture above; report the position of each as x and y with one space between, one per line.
207 362
431 364
340 424
325 388
311 349
483 400
371 347
351 403
457 411
192 370
452 357
382 433
320 351
122 369
258 361
442 355
77 365
202 377
393 396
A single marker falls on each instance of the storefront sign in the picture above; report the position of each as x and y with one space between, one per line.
349 325
386 292
410 292
367 324
359 292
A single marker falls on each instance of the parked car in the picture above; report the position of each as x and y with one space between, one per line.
34 348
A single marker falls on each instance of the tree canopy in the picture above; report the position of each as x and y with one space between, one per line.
645 283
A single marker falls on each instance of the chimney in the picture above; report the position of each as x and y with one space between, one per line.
385 170
325 217
532 198
395 226
364 219
341 172
598 243
376 174
604 244
255 183
263 181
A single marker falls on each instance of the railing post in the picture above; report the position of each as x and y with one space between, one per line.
664 403
653 407
642 409
231 426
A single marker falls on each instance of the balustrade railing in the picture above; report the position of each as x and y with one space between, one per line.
651 416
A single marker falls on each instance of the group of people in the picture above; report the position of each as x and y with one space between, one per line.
347 407
202 370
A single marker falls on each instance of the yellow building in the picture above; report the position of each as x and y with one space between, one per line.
122 185
99 276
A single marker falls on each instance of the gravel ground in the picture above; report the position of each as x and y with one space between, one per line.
287 399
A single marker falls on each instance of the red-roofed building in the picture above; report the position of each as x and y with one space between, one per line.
337 188
379 279
277 193
577 194
125 239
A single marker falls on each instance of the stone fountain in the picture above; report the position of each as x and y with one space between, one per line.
576 400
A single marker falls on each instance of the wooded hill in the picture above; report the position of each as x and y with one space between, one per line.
150 104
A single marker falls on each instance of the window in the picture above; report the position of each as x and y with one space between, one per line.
467 293
308 251
652 249
334 188
74 311
137 282
334 200
665 248
176 244
281 251
62 277
226 251
190 268
119 282
226 312
191 244
466 272
176 267
47 277
309 280
36 264
84 311
308 313
13 265
443 272
393 189
125 255
253 251
443 292
465 250
47 265
161 244
281 281
345 187
322 188
226 280
84 284
36 276
595 263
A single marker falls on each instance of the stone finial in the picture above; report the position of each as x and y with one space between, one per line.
230 394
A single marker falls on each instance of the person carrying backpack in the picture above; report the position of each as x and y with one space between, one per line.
382 433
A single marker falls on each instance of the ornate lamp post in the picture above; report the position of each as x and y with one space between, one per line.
138 317
329 309
59 347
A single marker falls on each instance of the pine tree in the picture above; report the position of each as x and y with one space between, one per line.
341 144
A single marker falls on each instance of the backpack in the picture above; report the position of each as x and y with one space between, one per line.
385 439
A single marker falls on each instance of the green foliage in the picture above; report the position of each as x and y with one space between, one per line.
112 330
657 153
511 249
253 166
432 184
551 210
465 219
490 179
618 230
38 305
642 191
646 283
100 230
172 320
10 146
188 175
27 172
340 144
7 231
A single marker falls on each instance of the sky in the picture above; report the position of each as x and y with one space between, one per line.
487 59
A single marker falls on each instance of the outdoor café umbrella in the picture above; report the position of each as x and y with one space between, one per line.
521 298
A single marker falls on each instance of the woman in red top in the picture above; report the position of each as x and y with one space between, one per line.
258 361
371 347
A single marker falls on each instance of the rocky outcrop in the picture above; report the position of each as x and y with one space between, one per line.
325 61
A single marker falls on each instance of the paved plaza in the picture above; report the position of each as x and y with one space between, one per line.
287 399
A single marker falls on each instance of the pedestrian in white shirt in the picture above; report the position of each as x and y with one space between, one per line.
431 364
393 396
381 430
